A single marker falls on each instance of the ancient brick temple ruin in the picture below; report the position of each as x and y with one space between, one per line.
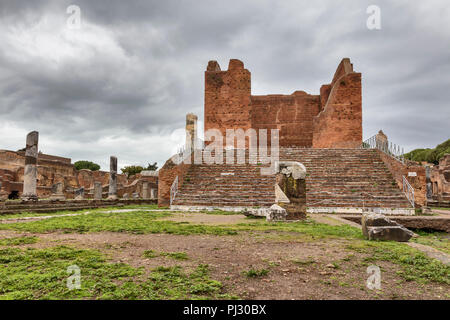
439 183
323 132
54 170
332 119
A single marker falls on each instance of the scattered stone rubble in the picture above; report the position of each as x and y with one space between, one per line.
378 227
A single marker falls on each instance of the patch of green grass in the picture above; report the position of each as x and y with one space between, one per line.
437 240
172 283
40 214
440 208
16 241
415 265
255 273
42 274
150 254
136 222
308 227
174 255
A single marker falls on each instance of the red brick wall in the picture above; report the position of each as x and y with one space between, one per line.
227 97
332 119
291 114
398 170
166 176
339 125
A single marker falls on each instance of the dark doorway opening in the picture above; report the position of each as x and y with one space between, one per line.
14 195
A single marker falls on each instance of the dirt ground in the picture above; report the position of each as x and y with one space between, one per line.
298 269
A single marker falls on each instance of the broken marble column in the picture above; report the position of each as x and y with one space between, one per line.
125 196
58 192
153 194
291 194
79 194
429 186
145 193
98 190
30 171
112 193
191 132
135 195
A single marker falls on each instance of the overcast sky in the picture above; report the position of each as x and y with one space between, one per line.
123 83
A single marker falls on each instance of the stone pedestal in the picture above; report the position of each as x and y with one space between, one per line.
98 191
30 171
145 191
58 192
112 193
79 194
291 181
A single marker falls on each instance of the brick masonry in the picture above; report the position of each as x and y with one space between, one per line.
398 170
332 119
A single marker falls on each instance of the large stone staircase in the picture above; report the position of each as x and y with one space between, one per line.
336 178
226 186
347 178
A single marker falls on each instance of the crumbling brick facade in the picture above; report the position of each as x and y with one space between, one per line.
54 169
332 119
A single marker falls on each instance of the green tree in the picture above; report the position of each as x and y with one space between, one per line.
429 155
84 164
153 166
131 170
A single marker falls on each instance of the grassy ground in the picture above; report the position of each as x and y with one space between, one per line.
140 255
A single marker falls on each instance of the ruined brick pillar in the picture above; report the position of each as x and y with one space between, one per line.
30 172
339 124
112 193
227 97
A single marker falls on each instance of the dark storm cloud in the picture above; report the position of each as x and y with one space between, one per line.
125 81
